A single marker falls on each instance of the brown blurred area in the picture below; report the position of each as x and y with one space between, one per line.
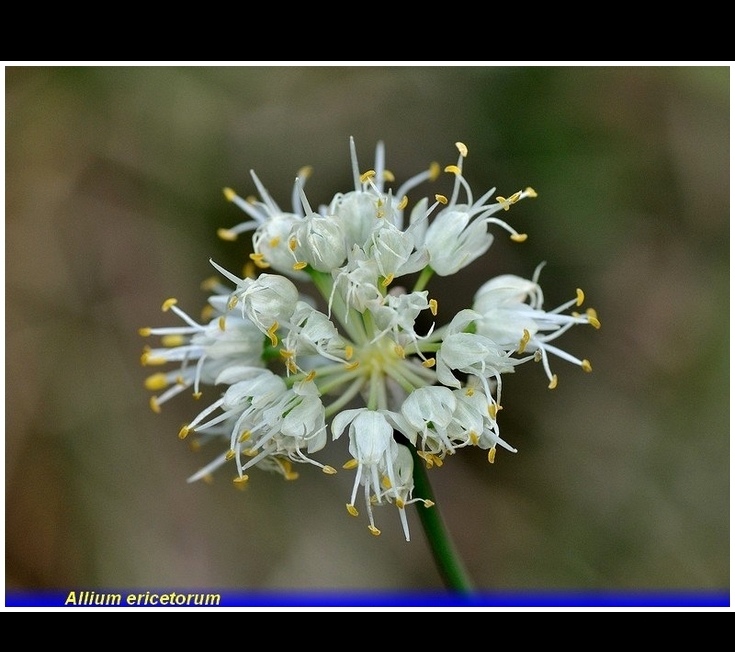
114 180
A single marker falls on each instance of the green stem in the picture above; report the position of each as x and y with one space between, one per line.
448 562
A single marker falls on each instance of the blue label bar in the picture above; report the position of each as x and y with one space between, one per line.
209 598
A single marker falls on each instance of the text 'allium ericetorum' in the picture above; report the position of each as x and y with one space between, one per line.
292 377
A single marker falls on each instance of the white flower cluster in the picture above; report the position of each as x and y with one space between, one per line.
292 377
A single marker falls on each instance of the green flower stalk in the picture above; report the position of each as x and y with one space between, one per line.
293 377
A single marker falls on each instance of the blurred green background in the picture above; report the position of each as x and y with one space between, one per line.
114 180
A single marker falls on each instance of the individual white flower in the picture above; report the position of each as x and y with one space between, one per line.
397 313
474 424
203 351
474 354
272 246
266 300
367 205
267 419
317 240
272 226
458 234
381 466
430 410
312 333
511 313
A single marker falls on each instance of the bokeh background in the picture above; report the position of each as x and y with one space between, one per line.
114 180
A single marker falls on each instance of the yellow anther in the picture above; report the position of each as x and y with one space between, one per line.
524 341
148 360
329 470
196 395
441 199
286 353
387 280
305 172
172 340
351 510
300 265
433 306
470 391
272 333
388 176
144 332
492 410
240 481
259 260
592 317
349 352
491 455
180 380
373 530
168 303
153 402
231 302
352 365
293 243
287 469
349 465
244 436
403 203
310 376
207 312
474 438
580 297
462 148
519 237
230 454
209 284
400 504
586 365
248 270
438 461
209 478
427 457
366 176
226 234
554 382
184 432
156 381
434 171
505 203
400 351
274 242
221 323
291 366
195 445
249 452
429 363
429 503
530 192
385 482
229 193
514 197
452 169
